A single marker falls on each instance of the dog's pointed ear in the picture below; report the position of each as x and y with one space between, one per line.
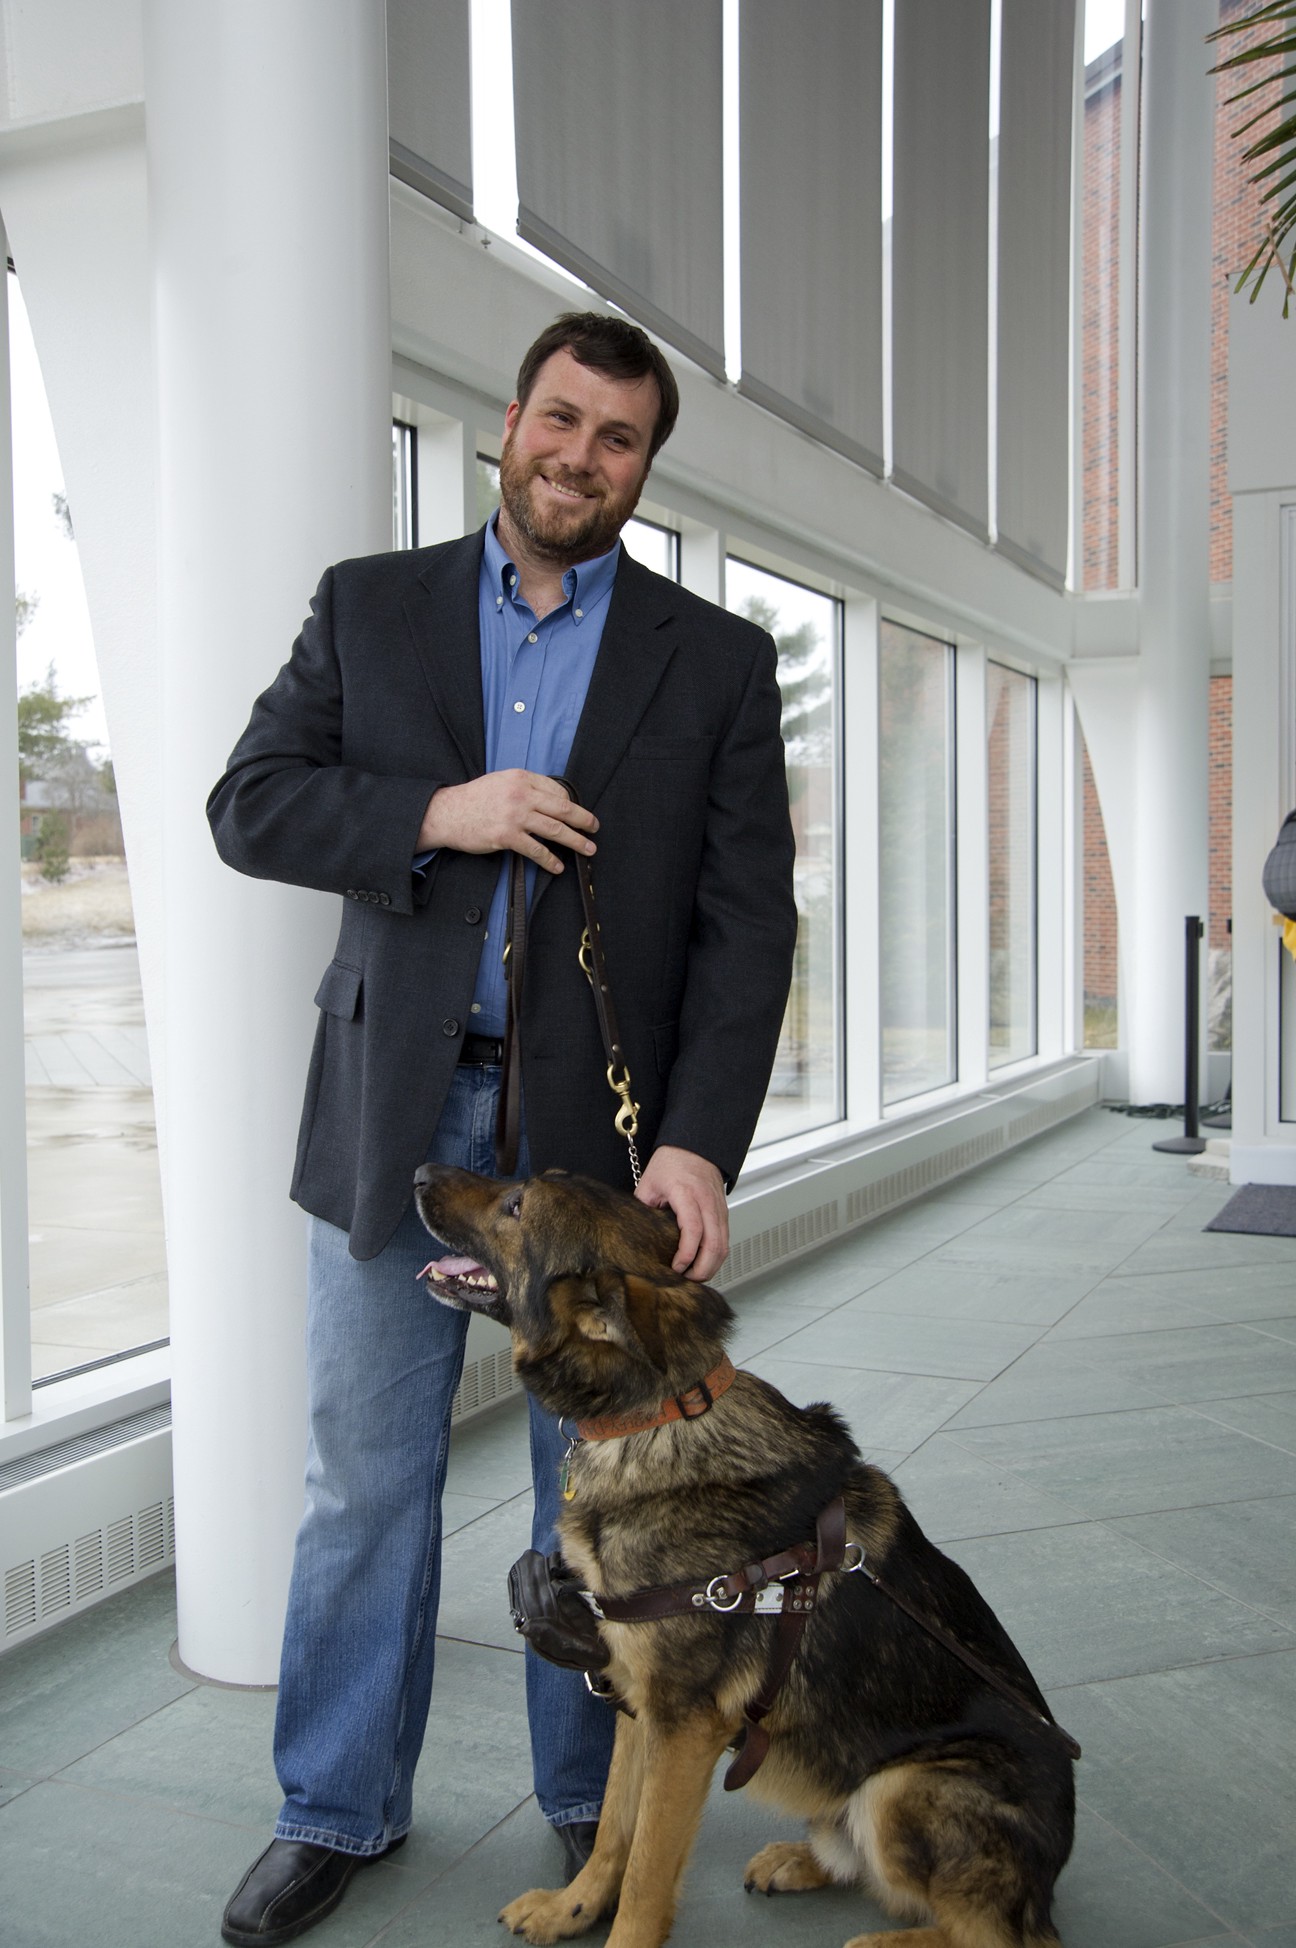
597 1305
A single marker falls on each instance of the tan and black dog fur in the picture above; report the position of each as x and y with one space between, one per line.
918 1781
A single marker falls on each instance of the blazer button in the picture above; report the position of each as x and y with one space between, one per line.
473 915
450 1027
384 899
351 893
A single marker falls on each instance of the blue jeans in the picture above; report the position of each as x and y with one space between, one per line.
383 1362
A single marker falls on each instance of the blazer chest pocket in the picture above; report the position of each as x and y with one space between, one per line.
339 992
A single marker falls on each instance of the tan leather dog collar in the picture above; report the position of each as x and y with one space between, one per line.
689 1405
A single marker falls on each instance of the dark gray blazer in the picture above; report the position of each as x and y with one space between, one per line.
678 752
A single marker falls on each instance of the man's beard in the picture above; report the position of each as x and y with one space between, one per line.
553 534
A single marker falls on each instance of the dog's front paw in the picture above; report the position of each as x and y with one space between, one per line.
547 1915
784 1867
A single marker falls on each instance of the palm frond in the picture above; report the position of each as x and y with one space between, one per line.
1274 151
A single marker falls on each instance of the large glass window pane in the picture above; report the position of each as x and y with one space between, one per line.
1010 720
404 485
805 1090
98 1263
916 815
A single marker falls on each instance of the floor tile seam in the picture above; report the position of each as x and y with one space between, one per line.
477 1643
1170 1670
946 1318
95 1790
1136 1846
1199 1408
895 1372
1106 1413
1109 1522
505 1501
122 1730
1024 1481
425 1887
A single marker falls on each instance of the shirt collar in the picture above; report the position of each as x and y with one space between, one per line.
585 586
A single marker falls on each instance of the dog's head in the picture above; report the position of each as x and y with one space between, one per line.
581 1276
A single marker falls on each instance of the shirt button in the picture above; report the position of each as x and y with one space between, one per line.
533 638
512 581
579 614
473 915
519 707
450 1027
499 601
475 1008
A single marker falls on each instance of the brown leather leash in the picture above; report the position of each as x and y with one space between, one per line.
508 1123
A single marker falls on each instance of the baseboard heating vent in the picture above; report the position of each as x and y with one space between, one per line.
886 1193
83 1519
483 1382
785 1240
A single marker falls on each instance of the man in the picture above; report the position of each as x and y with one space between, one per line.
416 735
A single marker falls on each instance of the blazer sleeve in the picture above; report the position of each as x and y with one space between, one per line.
288 808
743 936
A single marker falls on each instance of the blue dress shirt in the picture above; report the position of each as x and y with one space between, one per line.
534 679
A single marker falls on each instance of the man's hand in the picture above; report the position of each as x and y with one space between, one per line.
507 811
694 1190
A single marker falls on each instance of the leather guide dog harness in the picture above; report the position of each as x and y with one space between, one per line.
784 1585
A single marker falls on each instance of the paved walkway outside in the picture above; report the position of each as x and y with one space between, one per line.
1091 1404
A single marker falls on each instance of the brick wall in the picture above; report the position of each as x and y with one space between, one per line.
1100 321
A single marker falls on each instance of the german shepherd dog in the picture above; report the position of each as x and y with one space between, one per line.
953 1804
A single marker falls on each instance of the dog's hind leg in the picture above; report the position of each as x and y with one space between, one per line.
940 1844
677 1767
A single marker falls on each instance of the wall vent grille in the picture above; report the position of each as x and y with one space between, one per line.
484 1381
20 1597
871 1200
32 1466
71 1574
779 1241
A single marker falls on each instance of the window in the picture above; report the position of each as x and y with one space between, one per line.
404 485
94 1216
916 864
805 1089
1010 728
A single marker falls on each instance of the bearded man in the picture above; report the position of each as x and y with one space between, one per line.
414 740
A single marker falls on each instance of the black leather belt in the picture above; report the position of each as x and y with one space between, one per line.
482 1051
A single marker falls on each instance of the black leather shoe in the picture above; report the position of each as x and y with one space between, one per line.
577 1844
291 1887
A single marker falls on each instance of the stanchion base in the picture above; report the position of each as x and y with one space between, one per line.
1182 1146
1224 1122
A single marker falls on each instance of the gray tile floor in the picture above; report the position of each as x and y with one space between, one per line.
1089 1402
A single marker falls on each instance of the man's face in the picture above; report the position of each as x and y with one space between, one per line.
575 459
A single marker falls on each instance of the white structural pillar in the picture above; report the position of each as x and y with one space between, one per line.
267 150
1171 875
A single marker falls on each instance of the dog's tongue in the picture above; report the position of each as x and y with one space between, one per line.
449 1268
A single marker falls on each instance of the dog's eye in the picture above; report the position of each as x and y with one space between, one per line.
513 1204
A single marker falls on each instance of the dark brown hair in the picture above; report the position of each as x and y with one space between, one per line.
613 346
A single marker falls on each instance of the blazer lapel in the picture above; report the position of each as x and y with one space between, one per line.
441 610
638 643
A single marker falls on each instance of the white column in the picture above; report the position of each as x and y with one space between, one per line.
267 145
1172 735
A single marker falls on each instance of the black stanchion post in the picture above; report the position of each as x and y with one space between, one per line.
1189 1144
